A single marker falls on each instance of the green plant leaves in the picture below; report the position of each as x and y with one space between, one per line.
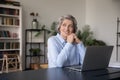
35 51
87 37
53 28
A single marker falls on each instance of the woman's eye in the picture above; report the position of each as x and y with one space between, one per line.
64 25
70 26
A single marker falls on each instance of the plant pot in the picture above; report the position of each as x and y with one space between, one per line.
34 66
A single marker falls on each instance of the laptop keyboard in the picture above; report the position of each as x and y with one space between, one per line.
77 66
74 67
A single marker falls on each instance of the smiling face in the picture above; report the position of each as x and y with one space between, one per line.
66 28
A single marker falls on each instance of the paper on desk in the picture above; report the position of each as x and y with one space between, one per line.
115 65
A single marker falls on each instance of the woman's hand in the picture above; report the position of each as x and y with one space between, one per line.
72 38
77 40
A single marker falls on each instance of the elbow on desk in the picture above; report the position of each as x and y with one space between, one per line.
53 65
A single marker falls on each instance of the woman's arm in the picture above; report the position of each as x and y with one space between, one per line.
81 50
57 54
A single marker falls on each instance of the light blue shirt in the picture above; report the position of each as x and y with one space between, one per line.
61 54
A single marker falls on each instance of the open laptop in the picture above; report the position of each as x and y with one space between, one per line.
96 57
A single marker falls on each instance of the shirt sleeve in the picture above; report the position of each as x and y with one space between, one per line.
81 50
56 56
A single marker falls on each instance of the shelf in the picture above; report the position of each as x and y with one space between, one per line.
8 15
9 26
118 45
9 49
118 32
35 42
12 70
8 38
34 56
9 6
35 29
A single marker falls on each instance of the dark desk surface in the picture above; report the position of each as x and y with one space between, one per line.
62 74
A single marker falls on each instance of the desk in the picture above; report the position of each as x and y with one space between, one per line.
62 74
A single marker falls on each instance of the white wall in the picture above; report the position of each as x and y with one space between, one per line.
101 15
51 10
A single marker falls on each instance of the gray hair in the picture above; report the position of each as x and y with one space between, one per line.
69 17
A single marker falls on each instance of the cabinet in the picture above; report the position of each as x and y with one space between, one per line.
11 32
118 40
36 43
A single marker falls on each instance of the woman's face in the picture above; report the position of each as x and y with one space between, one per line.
66 28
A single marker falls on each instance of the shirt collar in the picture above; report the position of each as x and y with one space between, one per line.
60 38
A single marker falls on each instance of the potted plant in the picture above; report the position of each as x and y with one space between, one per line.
87 37
34 51
35 21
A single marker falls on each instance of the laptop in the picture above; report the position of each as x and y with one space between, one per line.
96 57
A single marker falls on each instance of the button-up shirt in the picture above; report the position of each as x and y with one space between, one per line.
62 53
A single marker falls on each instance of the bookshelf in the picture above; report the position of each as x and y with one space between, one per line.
11 30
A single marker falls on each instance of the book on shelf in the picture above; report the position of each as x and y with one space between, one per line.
1 45
8 34
0 20
0 33
9 45
4 33
15 45
1 54
9 21
9 11
10 2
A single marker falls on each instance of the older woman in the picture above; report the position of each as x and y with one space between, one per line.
65 48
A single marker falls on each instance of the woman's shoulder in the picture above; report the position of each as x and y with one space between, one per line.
52 38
